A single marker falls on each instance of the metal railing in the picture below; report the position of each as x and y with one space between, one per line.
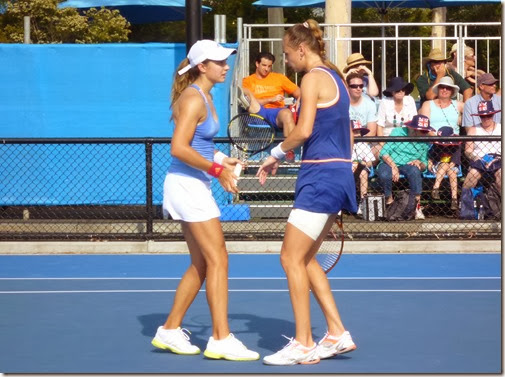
95 189
395 49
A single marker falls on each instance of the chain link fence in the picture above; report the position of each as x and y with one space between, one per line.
97 189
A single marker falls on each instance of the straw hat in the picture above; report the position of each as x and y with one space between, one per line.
355 60
436 55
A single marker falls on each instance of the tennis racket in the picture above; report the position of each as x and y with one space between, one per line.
331 249
250 134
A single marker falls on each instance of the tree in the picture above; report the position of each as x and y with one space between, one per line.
49 24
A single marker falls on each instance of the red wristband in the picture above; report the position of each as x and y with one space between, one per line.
215 170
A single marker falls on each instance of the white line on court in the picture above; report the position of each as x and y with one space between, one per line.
269 278
255 290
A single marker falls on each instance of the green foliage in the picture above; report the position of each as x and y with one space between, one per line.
49 24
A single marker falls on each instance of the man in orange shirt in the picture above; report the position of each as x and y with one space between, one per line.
269 87
264 93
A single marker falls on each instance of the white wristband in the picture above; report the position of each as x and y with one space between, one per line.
277 152
219 157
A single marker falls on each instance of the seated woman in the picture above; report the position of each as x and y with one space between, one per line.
396 107
407 158
443 111
440 164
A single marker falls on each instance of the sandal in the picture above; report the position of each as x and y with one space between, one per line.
454 204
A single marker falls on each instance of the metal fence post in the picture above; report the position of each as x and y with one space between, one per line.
149 188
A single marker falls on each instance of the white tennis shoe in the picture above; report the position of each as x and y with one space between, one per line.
335 345
243 100
229 348
293 353
175 340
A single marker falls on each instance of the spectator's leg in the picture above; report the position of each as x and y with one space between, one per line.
453 180
255 105
285 121
363 178
385 174
413 175
497 176
473 176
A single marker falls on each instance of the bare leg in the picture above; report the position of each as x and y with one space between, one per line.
208 236
497 176
321 287
453 180
472 177
294 251
190 283
363 183
285 121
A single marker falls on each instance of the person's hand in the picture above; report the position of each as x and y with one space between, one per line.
416 163
230 163
278 98
227 179
270 165
439 70
363 69
431 166
396 173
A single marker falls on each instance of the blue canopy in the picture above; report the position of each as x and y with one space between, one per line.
138 11
383 5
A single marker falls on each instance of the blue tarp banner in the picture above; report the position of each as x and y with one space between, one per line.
100 90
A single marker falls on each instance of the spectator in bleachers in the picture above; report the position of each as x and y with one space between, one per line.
470 73
436 69
484 156
441 162
356 63
269 87
486 84
407 158
362 161
396 107
362 108
444 111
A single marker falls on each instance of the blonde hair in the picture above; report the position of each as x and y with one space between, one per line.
181 82
311 35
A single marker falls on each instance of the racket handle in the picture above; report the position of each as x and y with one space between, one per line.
237 171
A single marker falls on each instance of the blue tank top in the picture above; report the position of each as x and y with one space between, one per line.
330 142
202 142
325 182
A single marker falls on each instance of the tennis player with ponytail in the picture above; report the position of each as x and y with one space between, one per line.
325 186
187 197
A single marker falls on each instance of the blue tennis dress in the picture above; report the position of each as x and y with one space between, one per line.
325 182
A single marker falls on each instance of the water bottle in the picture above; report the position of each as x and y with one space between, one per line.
480 215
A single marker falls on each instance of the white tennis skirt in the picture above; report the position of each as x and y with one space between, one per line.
188 199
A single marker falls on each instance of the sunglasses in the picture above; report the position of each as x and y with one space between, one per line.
356 86
445 87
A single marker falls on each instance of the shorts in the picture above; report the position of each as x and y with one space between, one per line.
310 223
188 199
270 115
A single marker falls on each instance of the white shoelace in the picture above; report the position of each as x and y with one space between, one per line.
185 333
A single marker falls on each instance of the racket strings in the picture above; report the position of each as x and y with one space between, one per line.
251 133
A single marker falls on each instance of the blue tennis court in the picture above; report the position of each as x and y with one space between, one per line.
408 313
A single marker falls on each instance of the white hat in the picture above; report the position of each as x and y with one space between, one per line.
446 81
206 49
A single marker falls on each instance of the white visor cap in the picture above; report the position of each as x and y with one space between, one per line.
206 49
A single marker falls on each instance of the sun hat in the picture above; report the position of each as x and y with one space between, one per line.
446 131
206 49
487 79
485 108
357 126
354 60
420 122
396 84
436 55
446 81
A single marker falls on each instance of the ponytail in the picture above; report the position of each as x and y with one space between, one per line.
181 82
311 34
